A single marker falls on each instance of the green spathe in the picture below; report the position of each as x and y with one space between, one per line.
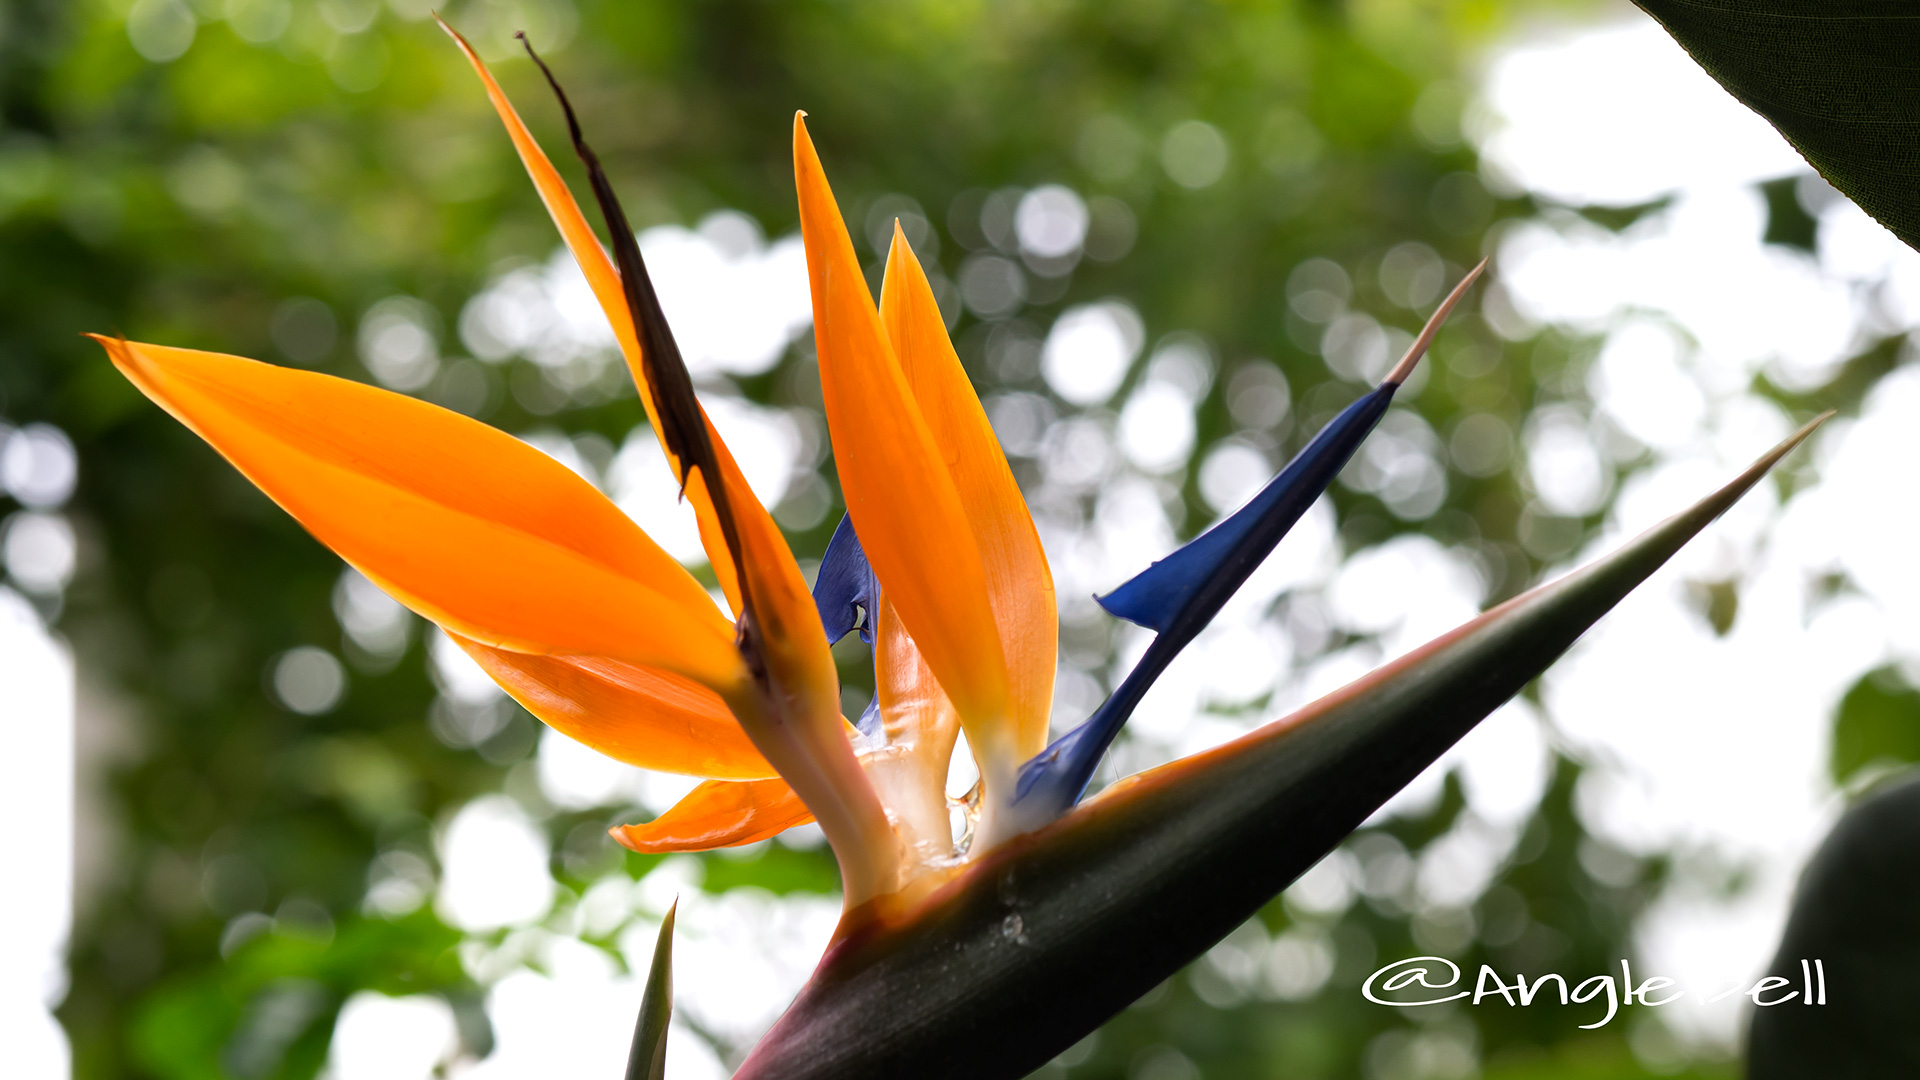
1044 939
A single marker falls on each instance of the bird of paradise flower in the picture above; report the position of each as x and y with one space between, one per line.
978 957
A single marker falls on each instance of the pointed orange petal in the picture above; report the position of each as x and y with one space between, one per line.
713 537
789 706
604 280
579 235
1019 582
642 716
465 524
718 814
912 522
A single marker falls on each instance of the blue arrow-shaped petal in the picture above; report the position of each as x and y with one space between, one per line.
1180 594
845 589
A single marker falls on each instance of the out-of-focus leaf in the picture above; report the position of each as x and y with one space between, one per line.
1788 222
1878 722
1848 387
775 868
1718 602
1855 913
272 1001
1051 934
648 1060
1839 78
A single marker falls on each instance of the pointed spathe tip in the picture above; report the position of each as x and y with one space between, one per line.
900 251
1427 333
647 1060
120 352
1786 445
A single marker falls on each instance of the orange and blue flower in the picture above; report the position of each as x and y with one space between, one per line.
1051 913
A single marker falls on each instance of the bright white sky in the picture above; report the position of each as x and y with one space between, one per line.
1714 745
36 796
1618 117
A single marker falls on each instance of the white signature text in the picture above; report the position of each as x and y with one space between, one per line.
1420 980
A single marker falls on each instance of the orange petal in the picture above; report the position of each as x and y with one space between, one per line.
713 537
718 814
918 726
642 716
465 524
1019 582
792 712
907 767
790 705
604 280
912 522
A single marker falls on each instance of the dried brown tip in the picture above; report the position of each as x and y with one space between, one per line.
1419 348
683 426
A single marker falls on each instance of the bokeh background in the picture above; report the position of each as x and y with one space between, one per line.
266 824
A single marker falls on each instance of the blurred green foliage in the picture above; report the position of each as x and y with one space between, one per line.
253 175
1876 729
254 1015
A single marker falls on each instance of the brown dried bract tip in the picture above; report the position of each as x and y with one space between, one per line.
683 425
1419 348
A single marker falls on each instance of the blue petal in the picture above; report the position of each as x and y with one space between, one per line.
1192 583
1179 595
845 590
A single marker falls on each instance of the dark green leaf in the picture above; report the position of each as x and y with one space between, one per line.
1048 936
1855 913
1839 78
